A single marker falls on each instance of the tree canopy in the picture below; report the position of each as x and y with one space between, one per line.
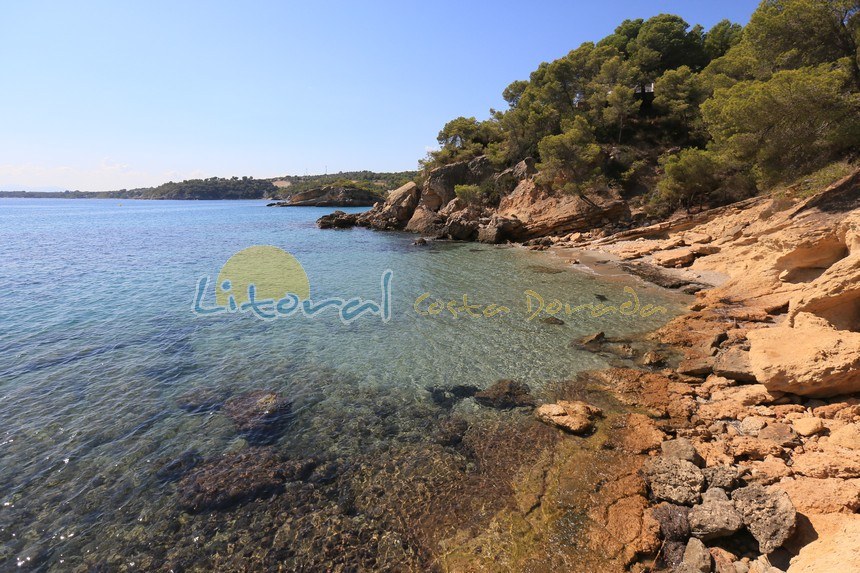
709 112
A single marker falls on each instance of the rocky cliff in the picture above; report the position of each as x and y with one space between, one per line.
519 209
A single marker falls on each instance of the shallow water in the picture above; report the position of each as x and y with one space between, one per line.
99 347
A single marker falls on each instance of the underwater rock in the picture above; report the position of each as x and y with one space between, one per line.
451 431
552 320
260 415
201 400
447 397
171 469
505 394
232 479
574 417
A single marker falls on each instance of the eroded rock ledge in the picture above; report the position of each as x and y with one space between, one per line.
762 472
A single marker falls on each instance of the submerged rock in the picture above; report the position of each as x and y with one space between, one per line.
505 394
201 400
574 417
260 415
235 478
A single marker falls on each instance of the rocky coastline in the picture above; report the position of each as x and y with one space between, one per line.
330 196
744 455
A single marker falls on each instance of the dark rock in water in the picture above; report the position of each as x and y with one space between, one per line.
601 297
260 416
201 400
337 220
464 390
442 396
505 394
447 397
172 469
768 514
655 275
232 479
421 241
451 431
552 320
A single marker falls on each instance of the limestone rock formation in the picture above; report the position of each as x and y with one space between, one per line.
574 417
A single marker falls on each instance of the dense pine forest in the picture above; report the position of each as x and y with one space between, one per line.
681 116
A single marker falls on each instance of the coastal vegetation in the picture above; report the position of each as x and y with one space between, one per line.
239 187
677 116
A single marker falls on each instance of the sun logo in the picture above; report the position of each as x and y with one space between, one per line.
271 272
271 283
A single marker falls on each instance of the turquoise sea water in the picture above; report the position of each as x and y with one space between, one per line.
98 345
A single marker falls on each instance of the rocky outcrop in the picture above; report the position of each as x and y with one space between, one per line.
574 417
549 213
330 196
438 191
525 210
811 358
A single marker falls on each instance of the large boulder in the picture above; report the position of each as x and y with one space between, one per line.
395 212
545 212
768 514
812 358
462 225
500 229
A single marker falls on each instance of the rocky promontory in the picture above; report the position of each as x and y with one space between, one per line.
330 196
517 207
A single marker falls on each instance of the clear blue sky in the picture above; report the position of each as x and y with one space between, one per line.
114 94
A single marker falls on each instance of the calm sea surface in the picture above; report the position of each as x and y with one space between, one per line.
100 350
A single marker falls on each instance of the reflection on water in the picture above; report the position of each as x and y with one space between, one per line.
136 436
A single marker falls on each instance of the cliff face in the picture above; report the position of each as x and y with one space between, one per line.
330 196
524 210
